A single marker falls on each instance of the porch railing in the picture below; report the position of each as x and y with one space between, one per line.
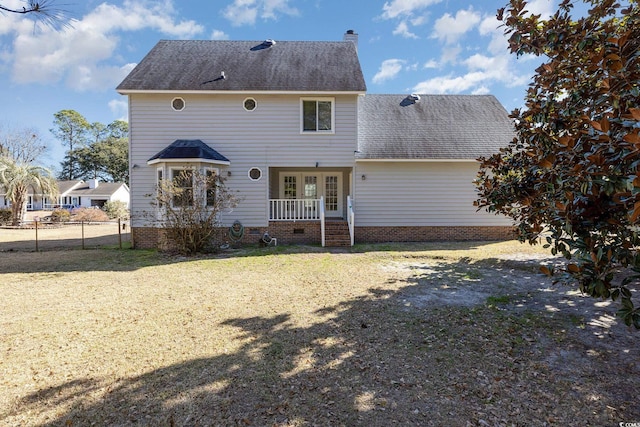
322 234
295 209
350 218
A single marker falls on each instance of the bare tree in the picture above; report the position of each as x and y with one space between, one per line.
24 145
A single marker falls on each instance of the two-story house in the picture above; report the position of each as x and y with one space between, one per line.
309 153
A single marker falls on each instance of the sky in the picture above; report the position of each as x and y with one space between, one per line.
405 46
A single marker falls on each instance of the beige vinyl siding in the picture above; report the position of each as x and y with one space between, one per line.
418 194
268 136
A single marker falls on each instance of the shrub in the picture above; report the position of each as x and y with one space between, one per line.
60 215
5 216
88 214
190 207
116 209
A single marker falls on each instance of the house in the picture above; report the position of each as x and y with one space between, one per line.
312 156
77 193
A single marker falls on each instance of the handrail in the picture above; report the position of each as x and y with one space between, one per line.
322 220
351 218
294 209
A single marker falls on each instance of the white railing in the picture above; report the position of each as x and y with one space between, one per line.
295 209
322 220
351 216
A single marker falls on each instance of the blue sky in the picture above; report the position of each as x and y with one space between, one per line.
405 46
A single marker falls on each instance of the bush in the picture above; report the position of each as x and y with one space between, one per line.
60 215
190 214
116 209
5 216
88 214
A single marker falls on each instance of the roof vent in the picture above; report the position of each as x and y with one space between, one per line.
269 42
414 97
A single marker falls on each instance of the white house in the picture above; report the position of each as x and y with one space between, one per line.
77 193
313 158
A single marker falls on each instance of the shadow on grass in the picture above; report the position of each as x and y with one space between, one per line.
373 360
104 255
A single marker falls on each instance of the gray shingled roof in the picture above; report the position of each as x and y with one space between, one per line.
65 186
188 65
182 149
103 189
435 127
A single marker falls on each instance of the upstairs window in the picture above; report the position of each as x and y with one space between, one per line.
177 104
317 115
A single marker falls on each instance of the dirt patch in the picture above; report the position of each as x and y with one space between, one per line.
515 287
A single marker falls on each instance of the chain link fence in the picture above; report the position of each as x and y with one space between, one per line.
43 236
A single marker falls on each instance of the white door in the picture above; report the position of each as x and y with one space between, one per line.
313 186
332 194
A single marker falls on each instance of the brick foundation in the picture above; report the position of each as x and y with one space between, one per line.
145 237
308 232
426 234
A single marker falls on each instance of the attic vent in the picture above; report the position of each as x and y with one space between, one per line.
269 42
414 97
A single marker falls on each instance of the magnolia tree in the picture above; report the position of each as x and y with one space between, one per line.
188 208
570 176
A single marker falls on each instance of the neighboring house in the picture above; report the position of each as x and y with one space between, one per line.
81 194
313 158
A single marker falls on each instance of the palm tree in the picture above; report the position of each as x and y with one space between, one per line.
16 178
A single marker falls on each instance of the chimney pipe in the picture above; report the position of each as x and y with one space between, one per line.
351 36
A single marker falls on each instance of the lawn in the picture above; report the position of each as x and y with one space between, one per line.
431 334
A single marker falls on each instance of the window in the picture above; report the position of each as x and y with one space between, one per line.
210 187
177 104
183 187
249 104
191 186
317 115
255 174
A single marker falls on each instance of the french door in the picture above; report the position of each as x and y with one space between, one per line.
312 186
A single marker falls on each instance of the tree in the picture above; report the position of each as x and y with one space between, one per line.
17 178
71 128
22 145
189 206
107 157
571 176
44 10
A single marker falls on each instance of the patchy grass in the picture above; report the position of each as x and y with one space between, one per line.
294 336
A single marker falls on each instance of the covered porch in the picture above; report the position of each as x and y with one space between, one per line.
313 194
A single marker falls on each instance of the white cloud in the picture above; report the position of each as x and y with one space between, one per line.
89 77
246 12
449 84
490 27
388 70
78 54
120 109
219 35
482 71
403 30
545 8
450 55
397 8
482 90
450 29
432 63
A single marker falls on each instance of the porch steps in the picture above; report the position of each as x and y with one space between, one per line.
336 233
